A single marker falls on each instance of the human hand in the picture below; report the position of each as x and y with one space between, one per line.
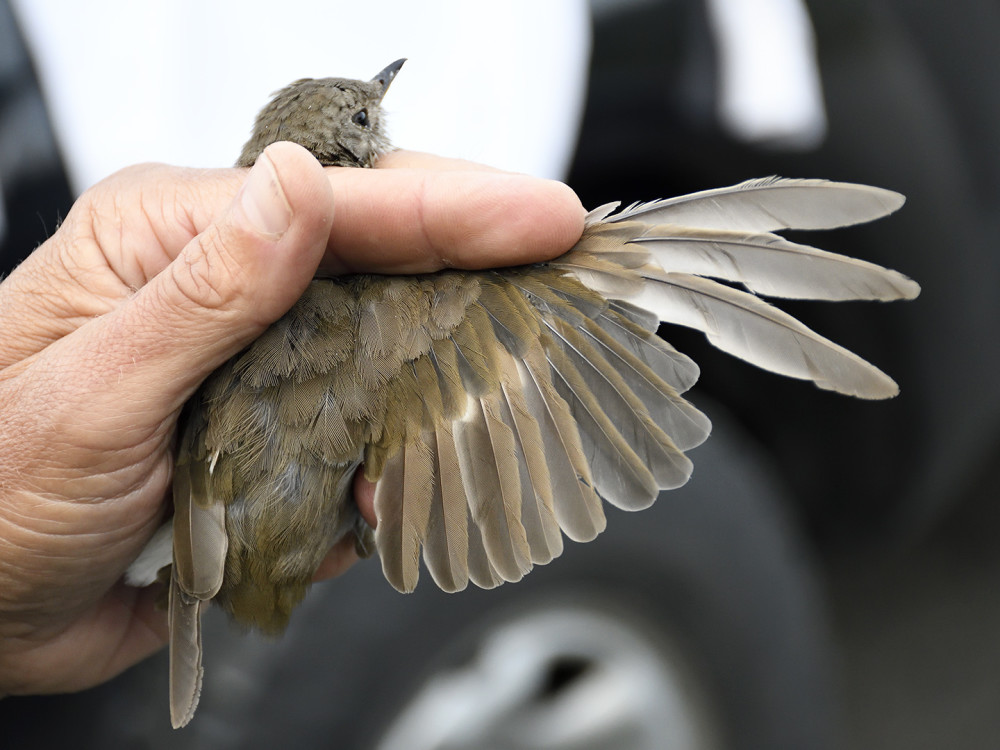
157 276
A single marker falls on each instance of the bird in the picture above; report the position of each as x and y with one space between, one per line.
496 410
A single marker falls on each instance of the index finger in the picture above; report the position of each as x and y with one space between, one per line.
420 213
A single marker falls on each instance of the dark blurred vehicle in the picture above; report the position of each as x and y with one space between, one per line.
909 106
701 623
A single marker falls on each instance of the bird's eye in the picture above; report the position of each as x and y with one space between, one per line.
361 118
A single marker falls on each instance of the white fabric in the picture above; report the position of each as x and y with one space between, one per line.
769 84
179 81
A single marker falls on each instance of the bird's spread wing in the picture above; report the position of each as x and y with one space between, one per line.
557 393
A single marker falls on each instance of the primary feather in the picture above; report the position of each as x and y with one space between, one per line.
771 204
772 266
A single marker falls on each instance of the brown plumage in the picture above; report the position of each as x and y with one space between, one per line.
495 408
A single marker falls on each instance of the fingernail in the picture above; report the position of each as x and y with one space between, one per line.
263 200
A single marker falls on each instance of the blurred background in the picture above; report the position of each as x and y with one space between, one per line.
828 579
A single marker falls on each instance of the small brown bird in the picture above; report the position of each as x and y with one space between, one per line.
496 409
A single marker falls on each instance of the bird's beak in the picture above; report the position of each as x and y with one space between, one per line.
386 75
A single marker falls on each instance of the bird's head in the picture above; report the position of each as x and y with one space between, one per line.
338 120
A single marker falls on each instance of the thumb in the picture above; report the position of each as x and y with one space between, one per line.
224 288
